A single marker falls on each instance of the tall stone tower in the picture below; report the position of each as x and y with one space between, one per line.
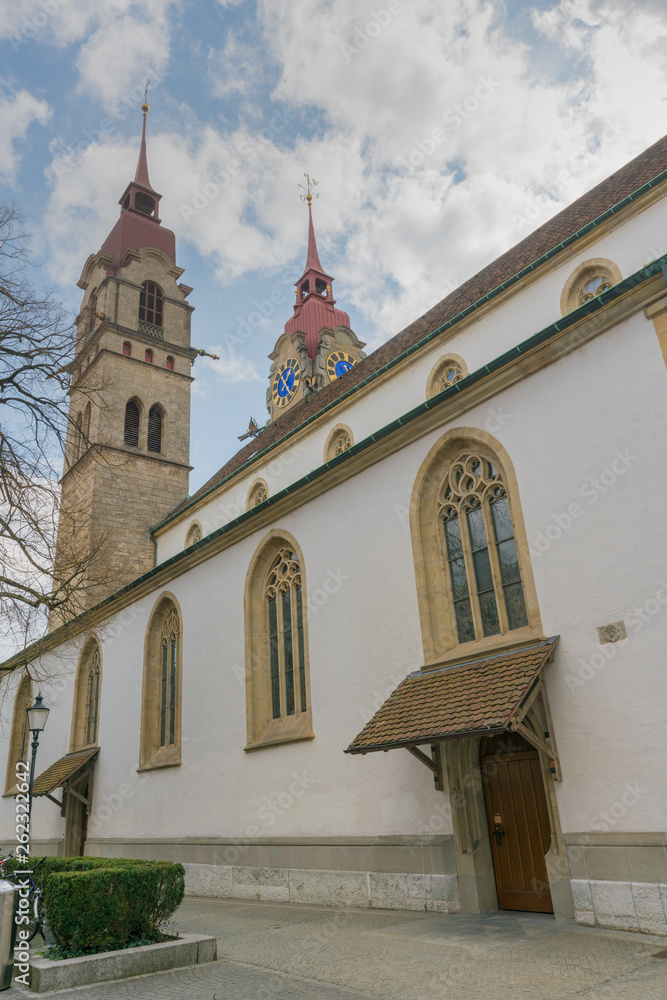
127 453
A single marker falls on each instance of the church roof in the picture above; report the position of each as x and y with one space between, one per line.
582 216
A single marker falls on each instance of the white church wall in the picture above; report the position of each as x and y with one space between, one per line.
517 318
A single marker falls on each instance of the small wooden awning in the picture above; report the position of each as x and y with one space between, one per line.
63 771
477 698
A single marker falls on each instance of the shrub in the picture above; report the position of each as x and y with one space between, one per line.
101 904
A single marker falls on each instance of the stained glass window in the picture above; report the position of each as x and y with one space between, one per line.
169 663
483 564
286 638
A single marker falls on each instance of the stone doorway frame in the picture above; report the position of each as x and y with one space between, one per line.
474 860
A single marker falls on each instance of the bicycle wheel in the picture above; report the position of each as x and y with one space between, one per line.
36 924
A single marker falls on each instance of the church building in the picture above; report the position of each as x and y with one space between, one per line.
406 648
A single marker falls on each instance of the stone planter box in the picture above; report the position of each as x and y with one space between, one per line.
188 949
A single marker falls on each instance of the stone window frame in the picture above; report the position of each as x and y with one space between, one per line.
140 407
159 410
127 349
571 296
434 382
151 310
152 754
434 592
263 730
19 738
258 493
194 534
335 444
81 708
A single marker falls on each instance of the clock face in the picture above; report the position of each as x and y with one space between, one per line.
286 382
338 363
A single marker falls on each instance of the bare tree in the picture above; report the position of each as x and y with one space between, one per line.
37 341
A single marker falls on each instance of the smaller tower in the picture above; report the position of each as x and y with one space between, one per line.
318 345
127 455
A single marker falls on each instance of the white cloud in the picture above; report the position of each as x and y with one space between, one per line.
121 42
230 367
436 140
18 110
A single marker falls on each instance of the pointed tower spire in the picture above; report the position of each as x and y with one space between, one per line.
314 309
141 174
139 224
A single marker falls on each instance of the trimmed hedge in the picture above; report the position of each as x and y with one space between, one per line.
101 904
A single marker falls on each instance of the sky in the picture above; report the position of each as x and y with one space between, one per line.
440 134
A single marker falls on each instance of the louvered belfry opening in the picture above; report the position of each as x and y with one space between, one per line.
132 424
150 303
155 429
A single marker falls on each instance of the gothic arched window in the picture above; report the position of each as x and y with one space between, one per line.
480 549
161 711
277 646
131 434
194 534
19 737
148 356
474 577
340 440
257 494
446 372
85 722
155 429
150 303
170 363
127 348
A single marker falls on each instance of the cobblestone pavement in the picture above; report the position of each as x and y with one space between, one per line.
279 951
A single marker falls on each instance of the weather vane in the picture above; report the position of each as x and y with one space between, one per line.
144 107
308 187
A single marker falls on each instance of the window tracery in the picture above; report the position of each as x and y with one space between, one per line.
593 287
286 640
451 375
171 628
480 550
93 704
194 534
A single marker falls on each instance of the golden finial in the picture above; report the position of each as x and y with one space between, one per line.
308 188
145 107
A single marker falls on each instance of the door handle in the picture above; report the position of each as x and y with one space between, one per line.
499 834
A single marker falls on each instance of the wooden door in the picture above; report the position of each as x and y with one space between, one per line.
76 819
518 818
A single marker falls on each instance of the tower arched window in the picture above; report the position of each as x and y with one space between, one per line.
20 734
148 356
277 649
144 203
170 363
86 424
127 348
87 697
155 429
132 415
150 303
161 710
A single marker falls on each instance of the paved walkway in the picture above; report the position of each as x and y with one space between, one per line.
279 951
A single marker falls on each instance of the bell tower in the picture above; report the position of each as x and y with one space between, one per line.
318 345
127 451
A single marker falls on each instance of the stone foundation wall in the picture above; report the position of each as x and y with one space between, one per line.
623 906
379 890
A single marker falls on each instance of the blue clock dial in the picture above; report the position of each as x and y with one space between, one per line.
338 363
286 382
341 367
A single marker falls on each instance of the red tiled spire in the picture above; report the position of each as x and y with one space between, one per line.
312 259
314 309
139 224
141 174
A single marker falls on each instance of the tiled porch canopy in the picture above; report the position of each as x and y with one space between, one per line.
477 698
62 770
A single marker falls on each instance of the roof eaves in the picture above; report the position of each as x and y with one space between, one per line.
616 291
448 324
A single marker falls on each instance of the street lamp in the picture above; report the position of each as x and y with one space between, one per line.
37 716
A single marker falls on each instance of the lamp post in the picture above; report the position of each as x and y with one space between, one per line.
37 714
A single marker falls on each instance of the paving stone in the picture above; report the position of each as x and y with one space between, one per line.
288 951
